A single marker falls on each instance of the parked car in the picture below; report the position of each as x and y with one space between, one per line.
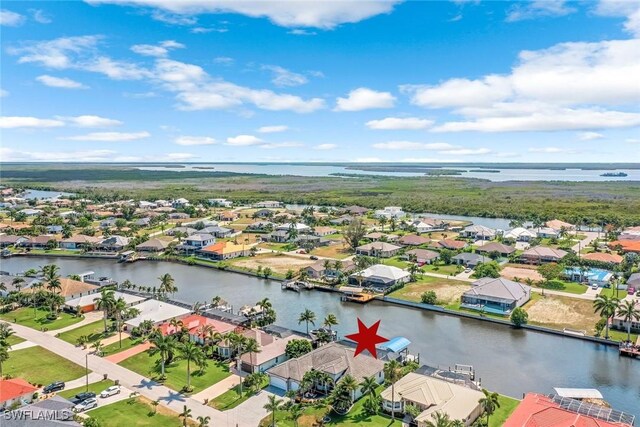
594 286
313 257
86 405
54 386
81 397
467 270
113 390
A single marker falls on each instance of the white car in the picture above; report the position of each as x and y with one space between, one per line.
86 405
594 286
111 391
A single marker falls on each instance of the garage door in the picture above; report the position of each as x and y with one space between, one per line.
278 383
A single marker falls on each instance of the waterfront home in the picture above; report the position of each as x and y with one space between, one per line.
7 281
422 226
422 256
559 226
547 233
324 231
317 270
478 232
114 243
554 411
197 241
271 351
157 312
153 246
520 234
267 204
469 259
15 392
87 302
380 276
541 255
335 360
378 249
224 250
603 257
432 395
452 245
390 212
496 296
195 324
592 276
11 240
495 247
80 241
377 236
413 240
618 321
39 242
630 233
222 203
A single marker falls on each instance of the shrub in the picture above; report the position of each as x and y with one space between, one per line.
429 297
519 317
554 284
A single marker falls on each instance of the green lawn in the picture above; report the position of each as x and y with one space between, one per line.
14 339
507 406
40 366
94 331
395 262
450 270
24 316
132 412
114 348
177 372
232 397
94 387
573 288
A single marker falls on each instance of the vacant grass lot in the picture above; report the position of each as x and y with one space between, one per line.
447 290
336 251
94 331
40 366
563 312
134 412
25 317
177 372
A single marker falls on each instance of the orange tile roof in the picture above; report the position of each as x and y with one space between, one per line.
537 410
603 257
627 245
16 387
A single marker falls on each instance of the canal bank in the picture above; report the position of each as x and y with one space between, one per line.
510 361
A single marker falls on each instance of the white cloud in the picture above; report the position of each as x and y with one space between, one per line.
11 19
368 160
398 123
507 154
160 51
589 136
108 136
60 82
325 147
538 9
117 70
172 18
40 16
410 145
283 77
224 60
195 140
364 99
244 140
460 92
325 15
302 32
13 122
11 155
273 129
89 121
629 9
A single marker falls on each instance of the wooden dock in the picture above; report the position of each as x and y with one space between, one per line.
627 349
360 298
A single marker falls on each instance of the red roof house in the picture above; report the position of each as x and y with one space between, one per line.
194 323
15 390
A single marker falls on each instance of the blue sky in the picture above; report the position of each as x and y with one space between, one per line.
482 81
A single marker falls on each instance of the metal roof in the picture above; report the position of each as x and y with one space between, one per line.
579 393
396 344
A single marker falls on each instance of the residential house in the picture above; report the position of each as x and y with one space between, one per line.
272 351
68 214
452 245
625 245
495 247
195 324
31 212
178 215
186 230
469 259
422 226
197 241
80 241
559 226
333 359
260 227
380 276
378 249
142 222
592 276
520 234
422 256
71 289
432 395
413 240
552 411
342 220
355 210
157 312
224 250
145 205
222 203
39 242
264 213
496 296
542 254
114 243
108 223
7 281
618 321
228 216
87 302
55 411
217 231
54 229
390 212
478 232
300 227
324 231
278 236
11 240
634 280
311 241
603 257
15 391
267 204
162 203
153 245
630 233
180 203
377 236
547 233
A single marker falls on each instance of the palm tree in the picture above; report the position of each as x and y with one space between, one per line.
164 346
272 405
351 385
97 346
606 306
295 412
330 321
105 303
440 419
155 404
392 373
186 413
369 386
307 316
251 346
203 421
167 284
191 353
4 356
489 403
120 308
628 311
18 282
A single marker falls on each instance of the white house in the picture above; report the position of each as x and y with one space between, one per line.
272 351
157 312
390 212
302 228
520 234
223 203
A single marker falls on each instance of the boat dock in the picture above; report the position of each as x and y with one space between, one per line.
290 286
355 294
628 349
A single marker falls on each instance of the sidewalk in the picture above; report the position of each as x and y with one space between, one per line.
217 389
90 317
22 345
119 357
94 377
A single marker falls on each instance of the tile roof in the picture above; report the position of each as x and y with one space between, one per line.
543 251
496 247
499 288
603 257
13 388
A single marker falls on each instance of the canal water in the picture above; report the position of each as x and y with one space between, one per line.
509 361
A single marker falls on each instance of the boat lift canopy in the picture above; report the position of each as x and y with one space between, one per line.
351 290
578 393
396 345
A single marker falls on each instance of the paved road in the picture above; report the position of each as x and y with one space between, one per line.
248 414
591 236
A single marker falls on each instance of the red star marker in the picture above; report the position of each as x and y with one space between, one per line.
367 338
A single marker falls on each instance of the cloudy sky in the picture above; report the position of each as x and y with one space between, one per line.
215 80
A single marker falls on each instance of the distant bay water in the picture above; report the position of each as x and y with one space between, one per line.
495 174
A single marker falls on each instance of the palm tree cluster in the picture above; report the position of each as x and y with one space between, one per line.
114 308
343 395
608 306
169 348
